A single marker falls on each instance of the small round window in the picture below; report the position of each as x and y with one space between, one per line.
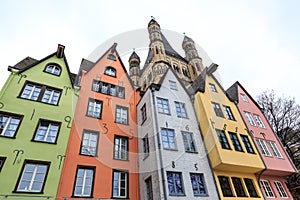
53 68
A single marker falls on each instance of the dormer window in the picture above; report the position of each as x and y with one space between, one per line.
53 68
110 71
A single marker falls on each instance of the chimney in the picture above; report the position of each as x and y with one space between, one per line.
60 51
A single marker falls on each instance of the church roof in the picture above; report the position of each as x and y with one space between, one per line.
168 50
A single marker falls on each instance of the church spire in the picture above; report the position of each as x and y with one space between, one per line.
134 68
156 41
192 56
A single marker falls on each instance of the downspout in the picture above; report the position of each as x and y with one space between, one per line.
205 148
159 145
249 132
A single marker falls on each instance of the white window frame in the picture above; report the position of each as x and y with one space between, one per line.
120 148
48 125
180 110
280 189
228 112
263 147
51 99
92 145
32 180
121 114
119 180
50 68
173 85
250 118
91 111
84 182
32 91
110 71
267 188
275 149
244 98
8 123
212 87
259 121
163 105
170 143
189 142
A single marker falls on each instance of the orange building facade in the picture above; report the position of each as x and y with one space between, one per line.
101 160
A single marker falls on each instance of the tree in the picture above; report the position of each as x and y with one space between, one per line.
284 116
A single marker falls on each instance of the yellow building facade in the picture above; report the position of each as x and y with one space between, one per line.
232 153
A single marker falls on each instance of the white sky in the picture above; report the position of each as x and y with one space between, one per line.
256 42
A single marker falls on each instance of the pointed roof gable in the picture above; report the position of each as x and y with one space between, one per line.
29 62
233 93
159 84
87 65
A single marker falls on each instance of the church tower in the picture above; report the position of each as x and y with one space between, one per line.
192 56
156 42
134 68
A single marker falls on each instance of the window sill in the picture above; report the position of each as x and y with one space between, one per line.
27 192
37 141
4 136
194 152
170 149
19 97
177 195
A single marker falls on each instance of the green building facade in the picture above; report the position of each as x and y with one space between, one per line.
36 112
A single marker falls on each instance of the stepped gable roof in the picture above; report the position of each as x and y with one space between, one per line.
26 62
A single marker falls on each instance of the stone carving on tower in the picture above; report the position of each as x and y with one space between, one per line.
162 56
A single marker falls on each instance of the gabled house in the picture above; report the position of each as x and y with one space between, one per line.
173 162
277 162
231 150
36 113
101 160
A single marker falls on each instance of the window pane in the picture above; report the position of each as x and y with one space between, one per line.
32 178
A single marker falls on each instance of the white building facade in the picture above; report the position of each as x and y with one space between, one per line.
172 163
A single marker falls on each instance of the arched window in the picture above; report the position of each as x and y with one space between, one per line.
110 71
53 68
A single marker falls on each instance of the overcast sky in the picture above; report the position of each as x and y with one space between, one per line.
256 42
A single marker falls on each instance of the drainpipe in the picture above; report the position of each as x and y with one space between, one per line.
159 145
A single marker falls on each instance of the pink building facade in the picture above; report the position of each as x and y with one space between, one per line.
277 162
